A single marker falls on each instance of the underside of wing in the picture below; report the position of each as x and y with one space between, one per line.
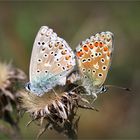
51 58
94 57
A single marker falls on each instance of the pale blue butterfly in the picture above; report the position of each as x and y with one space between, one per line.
51 62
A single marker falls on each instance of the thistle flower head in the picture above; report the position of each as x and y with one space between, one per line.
9 78
59 110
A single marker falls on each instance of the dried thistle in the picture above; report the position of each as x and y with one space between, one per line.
10 78
54 111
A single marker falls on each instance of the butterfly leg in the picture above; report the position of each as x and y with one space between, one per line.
56 94
95 96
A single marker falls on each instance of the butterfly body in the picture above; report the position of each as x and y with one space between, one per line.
51 61
94 57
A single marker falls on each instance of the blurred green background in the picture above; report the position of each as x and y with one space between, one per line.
119 115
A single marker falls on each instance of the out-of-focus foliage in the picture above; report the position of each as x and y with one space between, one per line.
74 21
10 79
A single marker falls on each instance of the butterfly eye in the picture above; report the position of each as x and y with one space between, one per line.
28 86
104 89
46 71
38 71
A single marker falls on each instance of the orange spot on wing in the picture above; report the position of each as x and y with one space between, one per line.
108 54
63 52
91 46
69 66
87 64
105 49
67 57
85 48
101 44
96 44
60 47
79 54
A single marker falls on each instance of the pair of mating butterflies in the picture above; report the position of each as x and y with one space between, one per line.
52 61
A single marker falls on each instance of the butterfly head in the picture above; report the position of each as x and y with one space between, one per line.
34 90
27 86
103 89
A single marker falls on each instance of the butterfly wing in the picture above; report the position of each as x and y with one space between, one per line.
51 61
94 57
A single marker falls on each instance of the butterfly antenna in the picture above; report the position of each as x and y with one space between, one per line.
119 87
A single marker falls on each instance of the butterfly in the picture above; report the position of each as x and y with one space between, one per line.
94 57
51 62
